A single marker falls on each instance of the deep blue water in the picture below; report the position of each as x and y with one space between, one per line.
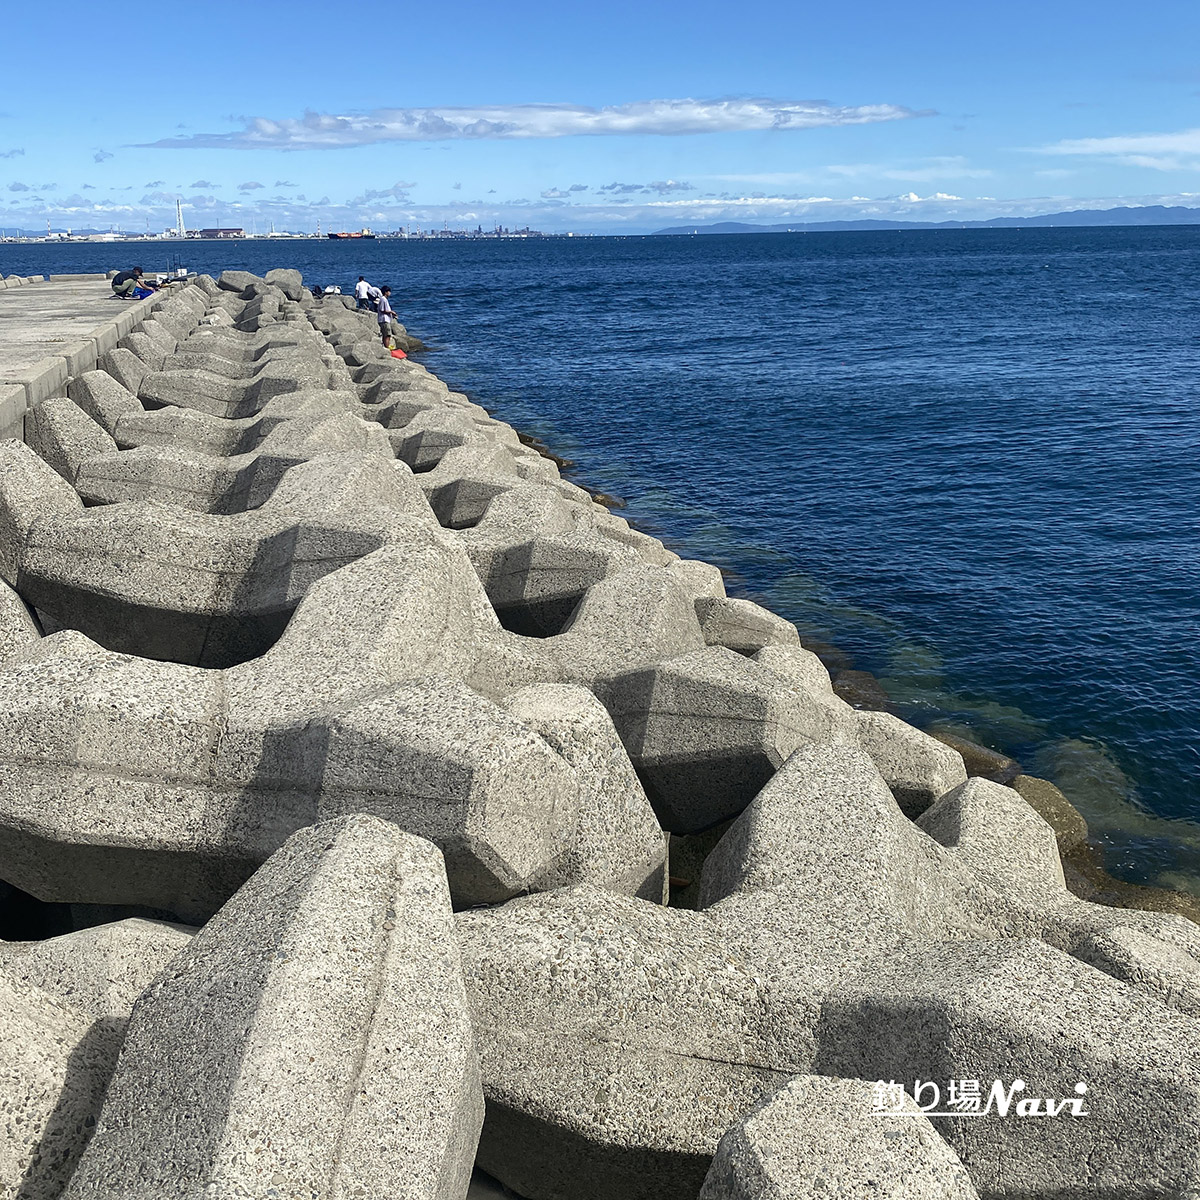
968 459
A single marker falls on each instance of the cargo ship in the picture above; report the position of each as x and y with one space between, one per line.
343 236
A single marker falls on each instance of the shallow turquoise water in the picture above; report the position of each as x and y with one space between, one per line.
968 458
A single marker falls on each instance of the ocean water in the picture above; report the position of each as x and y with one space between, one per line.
967 459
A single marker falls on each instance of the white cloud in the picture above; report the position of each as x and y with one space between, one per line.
101 155
398 192
251 185
17 153
317 131
1158 151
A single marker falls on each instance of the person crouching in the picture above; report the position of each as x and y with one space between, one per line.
125 283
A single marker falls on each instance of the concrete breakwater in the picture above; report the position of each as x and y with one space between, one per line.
353 735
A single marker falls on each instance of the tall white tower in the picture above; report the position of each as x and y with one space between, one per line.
179 229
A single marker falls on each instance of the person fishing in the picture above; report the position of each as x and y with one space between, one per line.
125 283
361 288
385 315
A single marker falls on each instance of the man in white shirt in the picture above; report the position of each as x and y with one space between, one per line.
374 295
361 288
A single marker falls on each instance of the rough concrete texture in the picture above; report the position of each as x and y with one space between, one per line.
708 730
403 612
617 1040
18 629
313 1040
824 1137
360 706
835 938
918 768
99 971
55 1062
211 590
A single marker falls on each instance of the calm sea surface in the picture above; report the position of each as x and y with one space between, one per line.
967 459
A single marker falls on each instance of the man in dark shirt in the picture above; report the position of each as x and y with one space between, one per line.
124 282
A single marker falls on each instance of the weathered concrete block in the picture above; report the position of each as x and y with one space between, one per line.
30 489
826 832
105 338
211 393
617 1043
1041 1025
128 320
742 625
18 630
55 1062
1019 890
239 282
148 350
196 776
103 399
825 1137
65 437
917 767
618 843
290 282
99 971
708 730
637 616
313 1040
80 357
211 589
125 367
45 378
12 411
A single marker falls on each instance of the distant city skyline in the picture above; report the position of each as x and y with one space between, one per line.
626 119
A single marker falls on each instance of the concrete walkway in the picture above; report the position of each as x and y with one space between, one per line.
52 331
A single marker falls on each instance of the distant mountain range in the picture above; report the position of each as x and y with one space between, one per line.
1151 214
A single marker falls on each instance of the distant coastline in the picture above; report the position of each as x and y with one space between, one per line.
1151 214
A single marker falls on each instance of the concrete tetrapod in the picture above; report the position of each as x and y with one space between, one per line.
313 1040
221 436
207 392
54 1064
66 1002
87 457
824 1137
707 730
128 781
918 768
619 1041
100 971
211 590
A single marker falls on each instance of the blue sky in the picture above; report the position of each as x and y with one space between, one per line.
619 118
